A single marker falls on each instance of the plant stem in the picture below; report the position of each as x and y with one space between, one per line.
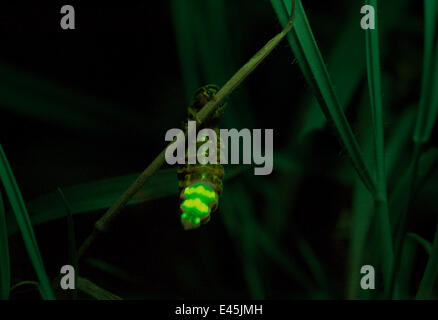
105 221
380 198
401 229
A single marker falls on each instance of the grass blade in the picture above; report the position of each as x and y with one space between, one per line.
101 194
72 250
428 109
398 204
375 90
429 280
426 118
273 250
407 261
95 291
361 211
97 195
35 97
5 272
310 60
398 143
186 47
347 71
71 231
426 245
314 264
217 58
234 218
19 208
236 205
381 203
113 271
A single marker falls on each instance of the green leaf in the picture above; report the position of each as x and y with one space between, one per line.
19 208
5 272
310 60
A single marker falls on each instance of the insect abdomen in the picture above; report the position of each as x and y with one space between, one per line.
200 184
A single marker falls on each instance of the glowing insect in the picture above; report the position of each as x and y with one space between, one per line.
201 184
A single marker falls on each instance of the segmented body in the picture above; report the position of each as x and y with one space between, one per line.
200 185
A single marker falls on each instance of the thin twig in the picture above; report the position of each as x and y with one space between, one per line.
105 221
23 283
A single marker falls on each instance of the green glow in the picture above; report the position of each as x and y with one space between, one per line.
197 204
200 189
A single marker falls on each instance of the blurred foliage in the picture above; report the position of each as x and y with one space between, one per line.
85 111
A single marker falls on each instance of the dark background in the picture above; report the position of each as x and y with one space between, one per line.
95 102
